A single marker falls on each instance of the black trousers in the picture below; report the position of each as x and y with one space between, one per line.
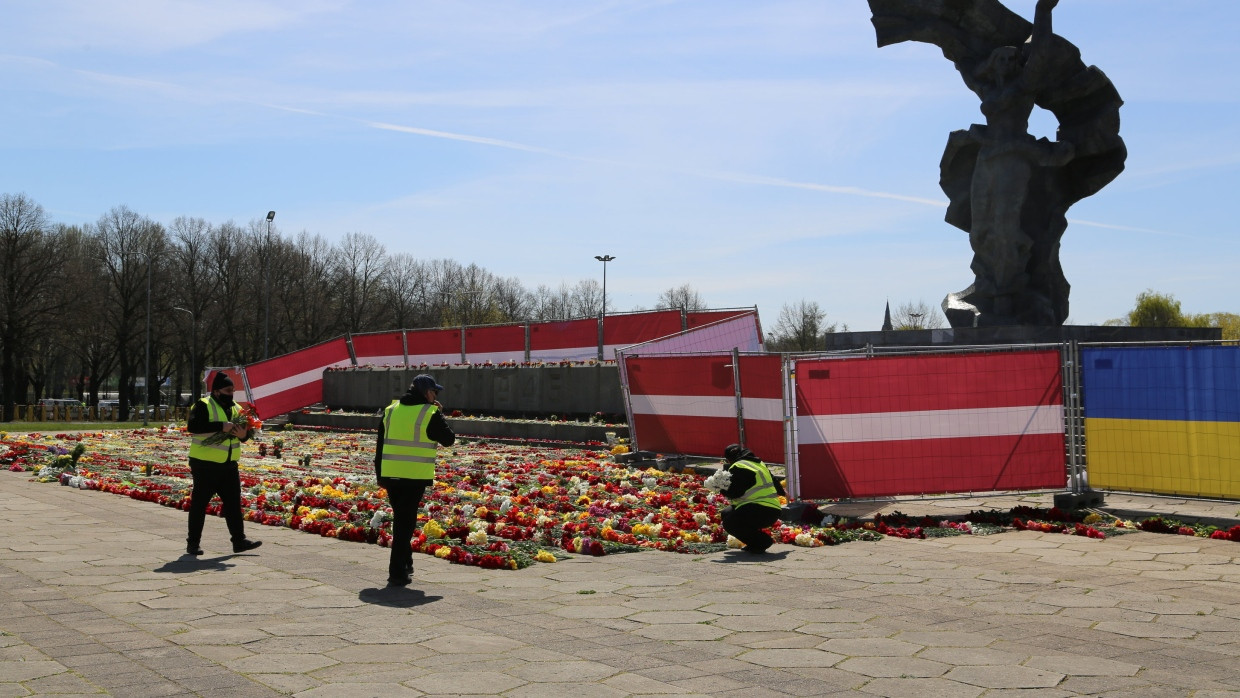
212 479
746 523
405 498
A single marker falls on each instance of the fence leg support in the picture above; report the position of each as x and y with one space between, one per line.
1068 501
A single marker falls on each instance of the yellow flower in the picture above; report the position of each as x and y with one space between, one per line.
619 449
432 529
544 556
1092 519
443 552
583 501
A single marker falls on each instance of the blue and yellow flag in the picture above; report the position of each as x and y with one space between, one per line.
1163 419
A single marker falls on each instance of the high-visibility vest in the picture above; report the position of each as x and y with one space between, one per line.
408 453
223 451
763 491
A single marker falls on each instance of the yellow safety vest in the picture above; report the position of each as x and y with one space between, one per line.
223 451
763 491
408 453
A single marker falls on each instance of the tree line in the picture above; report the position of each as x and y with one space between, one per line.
73 303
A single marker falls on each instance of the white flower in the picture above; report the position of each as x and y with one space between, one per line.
467 510
805 540
377 520
650 482
478 525
477 538
720 481
702 518
734 542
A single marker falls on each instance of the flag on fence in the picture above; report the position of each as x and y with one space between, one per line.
871 427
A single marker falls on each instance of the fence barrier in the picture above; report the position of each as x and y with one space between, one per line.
920 421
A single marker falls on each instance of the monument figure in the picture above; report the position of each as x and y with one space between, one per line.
1009 191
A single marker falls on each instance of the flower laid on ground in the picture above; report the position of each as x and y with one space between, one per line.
499 506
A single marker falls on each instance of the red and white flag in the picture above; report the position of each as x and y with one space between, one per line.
929 424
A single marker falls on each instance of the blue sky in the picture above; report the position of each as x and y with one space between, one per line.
763 152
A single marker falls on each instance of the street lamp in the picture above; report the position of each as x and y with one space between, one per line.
271 215
193 349
602 316
916 320
147 378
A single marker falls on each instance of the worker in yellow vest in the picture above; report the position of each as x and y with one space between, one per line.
755 499
213 464
413 427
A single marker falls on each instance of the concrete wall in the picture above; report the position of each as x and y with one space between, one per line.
532 390
962 336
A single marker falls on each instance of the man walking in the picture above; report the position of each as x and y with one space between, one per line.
412 428
213 464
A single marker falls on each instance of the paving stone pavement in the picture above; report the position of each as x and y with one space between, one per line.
96 598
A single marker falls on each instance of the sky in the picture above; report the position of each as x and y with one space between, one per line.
764 153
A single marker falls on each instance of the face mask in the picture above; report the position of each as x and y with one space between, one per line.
224 400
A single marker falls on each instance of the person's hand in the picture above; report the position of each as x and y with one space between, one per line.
436 404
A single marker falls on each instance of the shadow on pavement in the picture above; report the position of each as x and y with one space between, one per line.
396 597
731 557
189 563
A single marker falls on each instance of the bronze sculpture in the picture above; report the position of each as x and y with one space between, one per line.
1008 190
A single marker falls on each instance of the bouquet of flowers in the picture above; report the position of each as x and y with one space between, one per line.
245 418
720 481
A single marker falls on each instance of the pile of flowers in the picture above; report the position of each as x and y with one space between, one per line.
493 505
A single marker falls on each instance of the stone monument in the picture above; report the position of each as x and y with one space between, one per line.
1009 191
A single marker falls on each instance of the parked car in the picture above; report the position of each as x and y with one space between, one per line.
59 402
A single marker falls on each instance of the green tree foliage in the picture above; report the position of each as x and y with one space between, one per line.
1156 310
1163 310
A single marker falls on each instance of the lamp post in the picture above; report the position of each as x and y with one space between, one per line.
602 316
916 320
271 215
147 378
193 350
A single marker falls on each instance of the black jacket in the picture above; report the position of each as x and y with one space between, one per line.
438 429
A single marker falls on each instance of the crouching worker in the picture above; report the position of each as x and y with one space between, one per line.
755 499
412 428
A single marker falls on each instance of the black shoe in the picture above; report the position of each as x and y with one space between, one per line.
244 545
399 580
193 549
755 550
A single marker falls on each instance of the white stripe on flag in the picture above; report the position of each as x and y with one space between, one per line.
259 392
765 409
930 424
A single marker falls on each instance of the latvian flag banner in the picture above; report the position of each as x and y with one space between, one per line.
930 424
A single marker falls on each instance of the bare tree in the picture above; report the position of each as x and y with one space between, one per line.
358 271
29 276
127 244
916 316
404 292
683 298
800 327
306 298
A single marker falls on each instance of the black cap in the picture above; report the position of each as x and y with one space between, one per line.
423 383
221 380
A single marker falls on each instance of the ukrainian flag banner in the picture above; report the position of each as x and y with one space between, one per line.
1163 419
